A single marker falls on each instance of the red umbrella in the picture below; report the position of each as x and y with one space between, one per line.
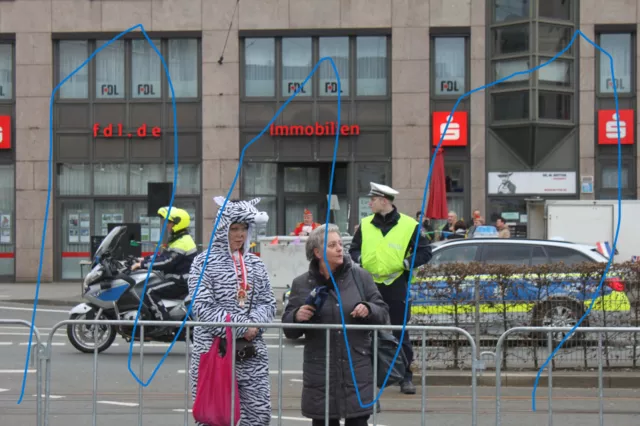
437 204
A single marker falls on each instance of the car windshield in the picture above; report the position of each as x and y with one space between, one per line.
111 241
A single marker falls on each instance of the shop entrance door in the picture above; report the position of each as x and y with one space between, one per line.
74 239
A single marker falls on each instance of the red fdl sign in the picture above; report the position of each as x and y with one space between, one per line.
456 134
326 129
108 131
608 127
5 132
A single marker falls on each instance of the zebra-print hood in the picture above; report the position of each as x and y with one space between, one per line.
236 212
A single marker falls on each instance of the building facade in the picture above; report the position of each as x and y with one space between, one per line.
403 65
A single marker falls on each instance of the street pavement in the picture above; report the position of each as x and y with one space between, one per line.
163 400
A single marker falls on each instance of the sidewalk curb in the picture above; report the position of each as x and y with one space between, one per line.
560 380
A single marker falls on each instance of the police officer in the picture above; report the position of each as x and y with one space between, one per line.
174 262
383 245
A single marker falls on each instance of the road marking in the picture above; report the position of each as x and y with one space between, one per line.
11 308
124 404
16 371
297 380
44 343
273 373
4 390
4 296
50 396
6 343
27 334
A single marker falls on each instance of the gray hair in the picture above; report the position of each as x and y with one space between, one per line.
315 240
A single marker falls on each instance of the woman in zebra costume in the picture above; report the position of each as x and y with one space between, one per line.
235 282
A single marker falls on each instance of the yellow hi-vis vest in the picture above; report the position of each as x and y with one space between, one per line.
383 256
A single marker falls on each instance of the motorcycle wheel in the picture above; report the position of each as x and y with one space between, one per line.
82 337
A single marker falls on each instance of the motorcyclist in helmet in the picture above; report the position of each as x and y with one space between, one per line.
175 262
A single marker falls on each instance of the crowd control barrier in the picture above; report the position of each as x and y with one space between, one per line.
37 356
423 330
44 361
550 342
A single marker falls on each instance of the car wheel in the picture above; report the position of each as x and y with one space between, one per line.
559 313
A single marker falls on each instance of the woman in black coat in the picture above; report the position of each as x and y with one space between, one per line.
321 306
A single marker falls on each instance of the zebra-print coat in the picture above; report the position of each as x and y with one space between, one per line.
216 295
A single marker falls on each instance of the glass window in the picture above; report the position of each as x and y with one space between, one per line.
510 105
268 204
301 179
454 176
450 65
183 67
188 178
74 179
553 38
146 80
558 73
296 66
110 179
259 67
141 174
503 69
568 256
294 212
260 178
619 47
555 9
371 69
511 39
107 212
110 69
554 106
337 48
538 257
371 172
609 176
75 238
7 219
72 54
464 253
6 71
509 10
507 254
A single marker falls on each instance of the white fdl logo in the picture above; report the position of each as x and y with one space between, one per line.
453 131
611 128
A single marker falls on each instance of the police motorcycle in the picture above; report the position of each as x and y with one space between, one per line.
113 292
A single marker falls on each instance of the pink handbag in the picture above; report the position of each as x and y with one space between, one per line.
212 405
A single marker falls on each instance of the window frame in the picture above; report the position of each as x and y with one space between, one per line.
633 69
611 161
315 78
467 65
11 100
128 76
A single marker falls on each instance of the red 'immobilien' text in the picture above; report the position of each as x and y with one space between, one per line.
327 129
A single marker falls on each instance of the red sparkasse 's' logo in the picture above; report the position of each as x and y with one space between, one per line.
141 132
5 132
456 132
608 127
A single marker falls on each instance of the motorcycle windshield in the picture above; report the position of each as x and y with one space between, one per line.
110 242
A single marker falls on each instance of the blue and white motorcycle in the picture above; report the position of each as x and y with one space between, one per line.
113 292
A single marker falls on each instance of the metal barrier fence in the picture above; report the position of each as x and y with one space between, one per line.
550 342
37 356
43 361
188 327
